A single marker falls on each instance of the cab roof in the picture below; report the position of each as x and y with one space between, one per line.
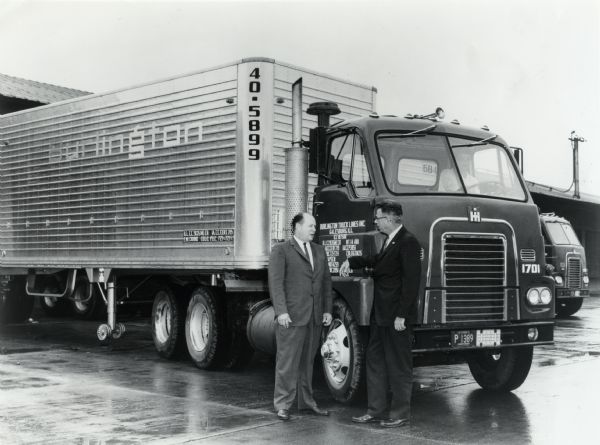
374 123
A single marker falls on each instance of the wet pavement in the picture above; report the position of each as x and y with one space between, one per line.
57 386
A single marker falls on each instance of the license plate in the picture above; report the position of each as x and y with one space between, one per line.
577 293
481 338
463 338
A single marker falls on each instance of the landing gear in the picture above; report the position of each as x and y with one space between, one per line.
112 330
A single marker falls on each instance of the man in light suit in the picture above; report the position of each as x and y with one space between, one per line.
300 287
397 275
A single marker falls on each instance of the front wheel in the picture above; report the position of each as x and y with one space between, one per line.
502 370
343 353
566 308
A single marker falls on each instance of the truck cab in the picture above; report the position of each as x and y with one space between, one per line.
483 296
565 263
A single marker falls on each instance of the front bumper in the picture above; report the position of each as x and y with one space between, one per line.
562 293
438 339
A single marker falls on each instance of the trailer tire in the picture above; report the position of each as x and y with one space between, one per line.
502 370
205 329
566 308
168 324
15 305
85 301
344 370
52 306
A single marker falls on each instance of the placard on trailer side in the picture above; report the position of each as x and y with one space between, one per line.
176 174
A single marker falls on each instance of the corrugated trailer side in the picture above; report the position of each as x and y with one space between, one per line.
186 173
117 179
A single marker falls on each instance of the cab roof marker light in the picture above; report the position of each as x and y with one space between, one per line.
485 127
374 114
455 122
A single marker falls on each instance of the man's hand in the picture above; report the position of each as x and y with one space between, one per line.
399 324
345 269
327 318
284 320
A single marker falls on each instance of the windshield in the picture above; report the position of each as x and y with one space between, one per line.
561 233
428 164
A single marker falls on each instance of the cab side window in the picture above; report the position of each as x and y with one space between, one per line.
349 164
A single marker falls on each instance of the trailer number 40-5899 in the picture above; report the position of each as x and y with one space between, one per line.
254 112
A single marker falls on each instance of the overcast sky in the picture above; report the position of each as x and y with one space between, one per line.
530 70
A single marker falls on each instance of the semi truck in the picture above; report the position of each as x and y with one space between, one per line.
176 190
565 263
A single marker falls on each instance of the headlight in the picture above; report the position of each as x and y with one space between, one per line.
558 280
545 295
586 280
533 295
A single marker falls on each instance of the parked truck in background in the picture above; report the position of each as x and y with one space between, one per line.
566 263
177 190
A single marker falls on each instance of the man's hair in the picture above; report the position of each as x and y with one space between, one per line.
298 218
390 208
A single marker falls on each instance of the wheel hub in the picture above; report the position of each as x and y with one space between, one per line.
162 321
336 354
199 327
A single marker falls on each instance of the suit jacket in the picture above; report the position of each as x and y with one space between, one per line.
397 275
295 287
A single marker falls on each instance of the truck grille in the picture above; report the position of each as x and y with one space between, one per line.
574 273
474 277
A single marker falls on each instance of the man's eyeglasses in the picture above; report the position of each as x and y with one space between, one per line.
377 218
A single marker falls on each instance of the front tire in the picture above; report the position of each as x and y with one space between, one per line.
502 370
343 353
566 308
205 329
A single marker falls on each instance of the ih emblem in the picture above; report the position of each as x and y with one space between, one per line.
474 215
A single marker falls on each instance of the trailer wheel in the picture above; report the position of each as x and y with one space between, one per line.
502 370
168 324
15 305
566 308
205 329
343 353
86 303
52 306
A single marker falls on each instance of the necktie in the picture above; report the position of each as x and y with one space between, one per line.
385 243
307 255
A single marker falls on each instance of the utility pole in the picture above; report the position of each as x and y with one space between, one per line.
575 140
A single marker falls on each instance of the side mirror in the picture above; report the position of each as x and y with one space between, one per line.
518 155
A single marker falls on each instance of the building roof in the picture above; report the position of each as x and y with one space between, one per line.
556 193
44 93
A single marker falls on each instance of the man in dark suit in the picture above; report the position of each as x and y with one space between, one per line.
397 274
300 287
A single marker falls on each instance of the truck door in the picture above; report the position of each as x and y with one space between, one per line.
343 208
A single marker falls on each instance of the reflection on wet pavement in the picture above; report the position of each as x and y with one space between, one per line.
58 387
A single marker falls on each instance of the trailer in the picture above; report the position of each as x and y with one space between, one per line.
176 190
565 263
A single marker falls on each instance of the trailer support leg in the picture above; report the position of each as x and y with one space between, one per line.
112 329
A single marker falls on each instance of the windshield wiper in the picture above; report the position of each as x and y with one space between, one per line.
420 132
472 144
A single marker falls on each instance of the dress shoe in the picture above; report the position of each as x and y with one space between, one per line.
394 423
283 414
367 418
316 410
